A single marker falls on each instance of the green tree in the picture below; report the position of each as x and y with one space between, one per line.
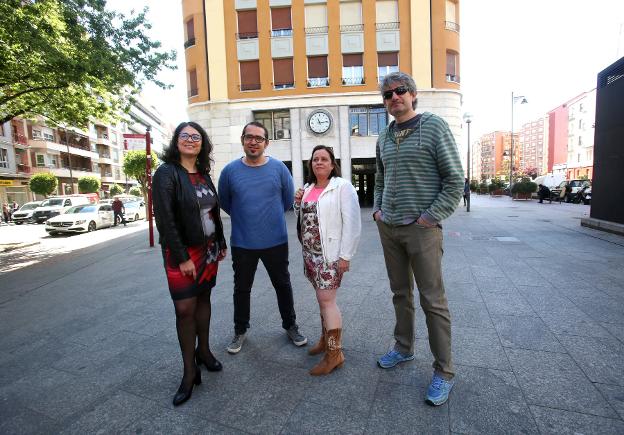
115 189
88 184
72 60
136 191
43 183
134 166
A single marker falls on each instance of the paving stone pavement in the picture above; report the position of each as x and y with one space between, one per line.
88 342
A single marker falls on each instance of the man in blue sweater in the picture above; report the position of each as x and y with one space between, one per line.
256 191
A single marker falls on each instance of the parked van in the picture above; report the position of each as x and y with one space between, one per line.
56 205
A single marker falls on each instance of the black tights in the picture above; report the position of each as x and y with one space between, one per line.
193 324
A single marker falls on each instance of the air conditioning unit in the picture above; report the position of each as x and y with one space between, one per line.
282 134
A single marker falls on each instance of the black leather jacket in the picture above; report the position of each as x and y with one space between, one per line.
177 214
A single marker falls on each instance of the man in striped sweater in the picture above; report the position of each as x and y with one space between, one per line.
419 183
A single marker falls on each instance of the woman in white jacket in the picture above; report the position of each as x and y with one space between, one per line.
330 229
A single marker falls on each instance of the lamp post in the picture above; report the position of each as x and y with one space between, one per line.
468 120
514 99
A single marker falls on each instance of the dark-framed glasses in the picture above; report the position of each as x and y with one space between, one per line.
399 91
253 138
190 137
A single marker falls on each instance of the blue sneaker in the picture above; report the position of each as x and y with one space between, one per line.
438 390
392 358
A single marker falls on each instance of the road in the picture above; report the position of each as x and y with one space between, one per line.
39 246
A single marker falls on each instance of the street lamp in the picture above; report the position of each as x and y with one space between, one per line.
468 120
514 100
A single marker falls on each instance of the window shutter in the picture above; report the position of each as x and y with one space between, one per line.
352 59
250 75
283 71
247 22
280 18
317 66
387 59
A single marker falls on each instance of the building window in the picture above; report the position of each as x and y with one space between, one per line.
247 24
386 14
48 136
40 158
352 69
367 120
451 16
280 22
276 122
580 141
36 134
351 16
192 83
387 63
317 71
315 19
451 67
249 75
4 158
190 34
283 76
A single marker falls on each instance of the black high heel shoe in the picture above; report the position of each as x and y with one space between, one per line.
211 366
183 394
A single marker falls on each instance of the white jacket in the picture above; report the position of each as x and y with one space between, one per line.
339 220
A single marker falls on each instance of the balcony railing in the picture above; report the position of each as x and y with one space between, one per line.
353 81
352 28
284 85
318 82
452 78
281 32
387 26
189 43
247 35
449 25
193 92
23 168
20 139
102 136
316 30
105 156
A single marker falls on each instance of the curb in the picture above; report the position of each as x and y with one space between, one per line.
13 246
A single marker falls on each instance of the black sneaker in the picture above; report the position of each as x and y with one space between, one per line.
295 336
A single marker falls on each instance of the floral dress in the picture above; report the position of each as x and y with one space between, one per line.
323 276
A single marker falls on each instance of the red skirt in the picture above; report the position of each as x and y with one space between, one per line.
184 286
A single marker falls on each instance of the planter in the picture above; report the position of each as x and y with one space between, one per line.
522 195
497 192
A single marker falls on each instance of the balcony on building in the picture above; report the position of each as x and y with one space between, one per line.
388 36
317 42
452 78
318 82
352 38
189 43
20 141
450 25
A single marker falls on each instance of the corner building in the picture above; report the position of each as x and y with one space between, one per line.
309 71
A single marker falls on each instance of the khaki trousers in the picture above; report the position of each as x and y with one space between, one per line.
414 251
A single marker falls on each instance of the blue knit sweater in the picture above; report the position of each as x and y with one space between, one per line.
256 198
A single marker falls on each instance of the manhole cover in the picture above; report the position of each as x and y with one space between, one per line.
512 216
507 239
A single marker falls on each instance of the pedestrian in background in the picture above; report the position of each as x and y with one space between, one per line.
6 212
544 193
191 235
119 212
256 191
466 191
418 184
330 232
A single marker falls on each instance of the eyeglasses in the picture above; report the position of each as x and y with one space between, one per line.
253 138
192 137
399 91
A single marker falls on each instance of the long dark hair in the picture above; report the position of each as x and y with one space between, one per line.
171 154
335 171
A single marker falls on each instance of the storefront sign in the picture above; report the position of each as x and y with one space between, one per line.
6 182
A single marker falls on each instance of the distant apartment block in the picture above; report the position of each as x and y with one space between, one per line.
533 145
494 153
280 62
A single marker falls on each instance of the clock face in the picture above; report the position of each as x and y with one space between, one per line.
319 122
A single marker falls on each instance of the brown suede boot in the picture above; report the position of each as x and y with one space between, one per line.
334 358
319 347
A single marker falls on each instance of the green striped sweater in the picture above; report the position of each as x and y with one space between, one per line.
419 174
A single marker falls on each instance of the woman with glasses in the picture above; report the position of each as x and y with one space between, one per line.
330 231
191 235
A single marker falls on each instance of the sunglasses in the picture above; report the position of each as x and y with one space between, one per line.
399 91
253 138
192 137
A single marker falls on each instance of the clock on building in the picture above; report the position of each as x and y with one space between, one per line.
319 121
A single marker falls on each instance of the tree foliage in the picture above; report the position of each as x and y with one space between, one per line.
115 189
43 183
136 191
134 166
88 184
71 60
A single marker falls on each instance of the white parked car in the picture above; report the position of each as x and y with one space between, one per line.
135 210
25 212
81 218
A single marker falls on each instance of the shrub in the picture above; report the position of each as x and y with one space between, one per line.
43 183
136 191
115 190
524 186
88 184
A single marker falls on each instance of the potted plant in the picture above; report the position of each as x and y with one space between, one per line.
496 187
523 189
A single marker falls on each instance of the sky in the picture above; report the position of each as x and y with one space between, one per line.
546 50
